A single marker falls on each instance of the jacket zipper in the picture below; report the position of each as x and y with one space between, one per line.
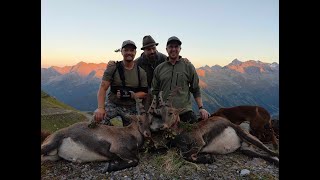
177 79
171 76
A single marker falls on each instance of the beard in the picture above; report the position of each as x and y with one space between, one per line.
152 57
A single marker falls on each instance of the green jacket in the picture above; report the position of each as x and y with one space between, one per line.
182 74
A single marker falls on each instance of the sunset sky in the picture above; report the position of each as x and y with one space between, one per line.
212 31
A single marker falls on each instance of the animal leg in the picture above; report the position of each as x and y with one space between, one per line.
51 143
268 158
253 140
193 155
204 158
126 159
274 140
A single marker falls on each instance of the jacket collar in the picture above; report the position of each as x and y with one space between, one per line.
180 57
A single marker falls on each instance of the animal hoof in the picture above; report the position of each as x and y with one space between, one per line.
214 159
106 167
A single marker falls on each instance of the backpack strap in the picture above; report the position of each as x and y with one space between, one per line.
120 68
117 64
121 73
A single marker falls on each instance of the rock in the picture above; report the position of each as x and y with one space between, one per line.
244 172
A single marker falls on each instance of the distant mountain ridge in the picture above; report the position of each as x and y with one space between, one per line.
238 83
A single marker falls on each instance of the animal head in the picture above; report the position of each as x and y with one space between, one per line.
143 124
165 116
142 119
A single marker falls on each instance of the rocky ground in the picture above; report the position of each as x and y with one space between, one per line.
167 165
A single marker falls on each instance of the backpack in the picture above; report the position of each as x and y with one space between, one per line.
120 69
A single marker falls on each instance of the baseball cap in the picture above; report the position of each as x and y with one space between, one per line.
174 38
128 42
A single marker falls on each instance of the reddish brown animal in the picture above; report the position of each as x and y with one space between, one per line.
275 126
44 135
259 118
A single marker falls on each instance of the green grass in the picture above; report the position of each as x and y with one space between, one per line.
171 163
56 121
49 102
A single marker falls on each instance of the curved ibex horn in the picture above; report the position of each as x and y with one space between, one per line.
161 103
139 106
153 105
173 92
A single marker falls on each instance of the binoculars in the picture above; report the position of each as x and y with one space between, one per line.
125 94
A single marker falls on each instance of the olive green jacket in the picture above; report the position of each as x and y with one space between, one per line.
182 74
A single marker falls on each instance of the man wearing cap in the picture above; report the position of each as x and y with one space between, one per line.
126 81
175 72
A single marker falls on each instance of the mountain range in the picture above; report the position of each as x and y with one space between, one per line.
239 83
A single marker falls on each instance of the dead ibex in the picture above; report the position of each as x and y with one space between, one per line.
44 135
117 145
258 118
216 135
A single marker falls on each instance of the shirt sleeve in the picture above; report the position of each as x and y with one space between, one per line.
194 82
107 75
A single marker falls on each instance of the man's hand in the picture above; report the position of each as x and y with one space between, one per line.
186 60
118 94
133 95
204 113
111 63
99 114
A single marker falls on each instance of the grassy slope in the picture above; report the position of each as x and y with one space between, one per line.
64 115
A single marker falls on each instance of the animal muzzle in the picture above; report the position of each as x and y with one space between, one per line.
163 127
156 127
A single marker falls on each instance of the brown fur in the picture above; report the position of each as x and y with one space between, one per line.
258 117
44 135
118 145
275 126
197 142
